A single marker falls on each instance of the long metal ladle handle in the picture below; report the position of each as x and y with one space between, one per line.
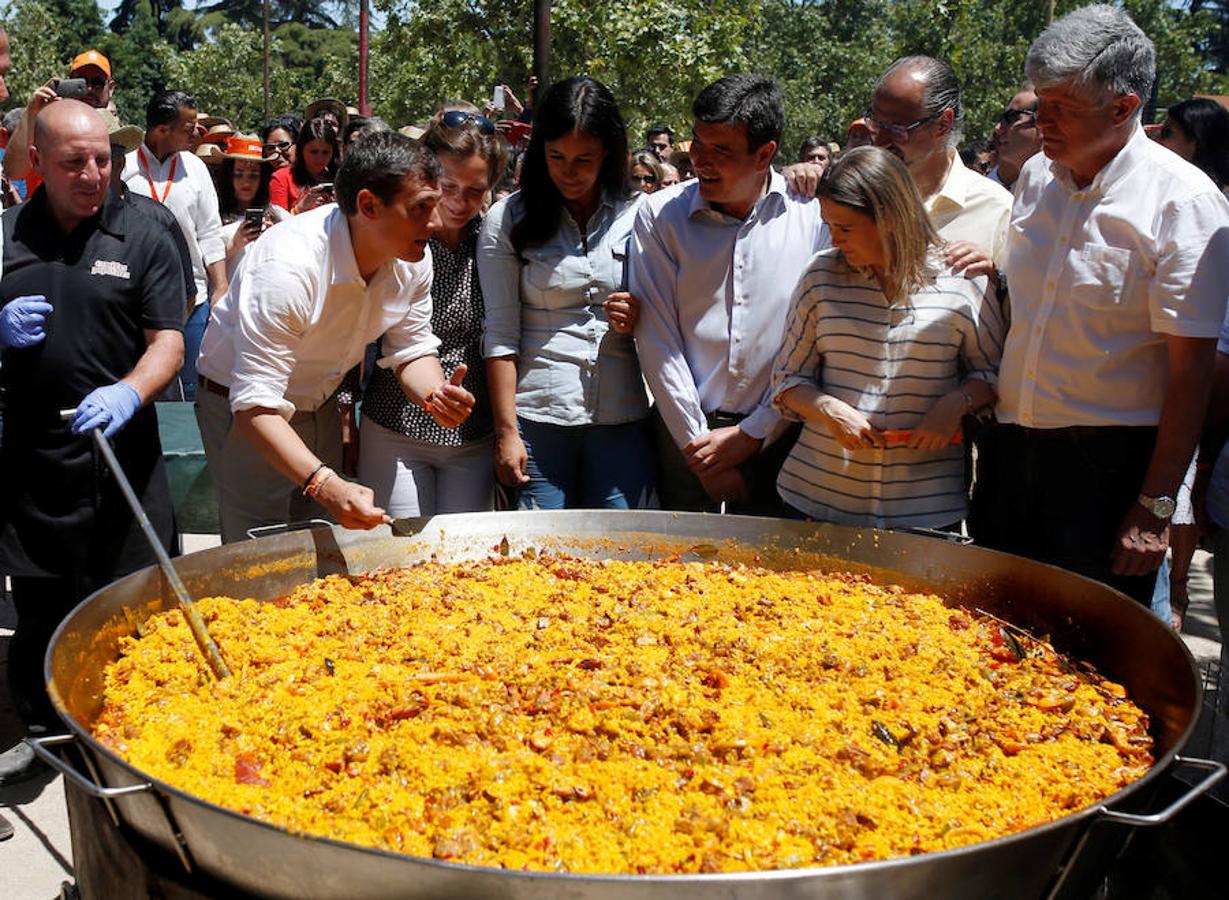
195 622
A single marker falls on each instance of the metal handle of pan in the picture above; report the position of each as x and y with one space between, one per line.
284 527
40 744
1216 771
950 536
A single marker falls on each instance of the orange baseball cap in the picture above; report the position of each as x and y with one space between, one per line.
91 58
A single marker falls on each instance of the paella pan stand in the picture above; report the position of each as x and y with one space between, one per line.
1065 858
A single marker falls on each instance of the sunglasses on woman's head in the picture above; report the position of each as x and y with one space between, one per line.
455 118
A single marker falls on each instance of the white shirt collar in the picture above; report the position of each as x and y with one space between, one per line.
1124 161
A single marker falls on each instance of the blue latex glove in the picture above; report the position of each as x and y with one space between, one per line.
111 406
22 321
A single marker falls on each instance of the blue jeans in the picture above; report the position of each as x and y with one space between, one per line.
588 466
193 331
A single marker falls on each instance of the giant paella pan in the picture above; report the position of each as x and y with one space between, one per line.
1082 618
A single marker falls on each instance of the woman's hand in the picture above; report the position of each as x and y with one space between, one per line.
940 423
511 459
851 429
316 195
450 404
244 235
622 311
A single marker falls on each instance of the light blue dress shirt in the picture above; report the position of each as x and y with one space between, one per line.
714 292
546 310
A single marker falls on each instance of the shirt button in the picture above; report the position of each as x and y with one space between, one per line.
1062 239
1049 285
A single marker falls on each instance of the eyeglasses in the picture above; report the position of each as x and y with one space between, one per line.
664 145
1011 116
455 118
643 179
96 82
278 147
898 134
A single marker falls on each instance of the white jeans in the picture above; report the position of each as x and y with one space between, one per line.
412 478
251 492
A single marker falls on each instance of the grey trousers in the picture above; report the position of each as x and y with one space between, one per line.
250 492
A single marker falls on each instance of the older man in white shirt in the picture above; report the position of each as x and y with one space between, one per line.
713 263
1118 264
162 170
309 297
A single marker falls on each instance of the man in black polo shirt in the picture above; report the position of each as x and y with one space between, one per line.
91 306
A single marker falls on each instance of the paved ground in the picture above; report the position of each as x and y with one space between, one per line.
38 859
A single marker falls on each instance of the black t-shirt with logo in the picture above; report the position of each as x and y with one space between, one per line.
116 275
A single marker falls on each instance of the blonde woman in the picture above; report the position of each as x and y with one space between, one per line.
885 351
644 172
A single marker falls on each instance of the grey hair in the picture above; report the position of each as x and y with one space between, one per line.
941 91
1098 49
12 119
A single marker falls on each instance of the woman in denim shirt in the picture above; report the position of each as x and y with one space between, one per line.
569 404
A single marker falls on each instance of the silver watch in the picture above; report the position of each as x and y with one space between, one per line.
1161 507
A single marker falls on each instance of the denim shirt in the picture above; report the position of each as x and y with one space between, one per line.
545 308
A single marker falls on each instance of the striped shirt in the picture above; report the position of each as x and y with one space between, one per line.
892 362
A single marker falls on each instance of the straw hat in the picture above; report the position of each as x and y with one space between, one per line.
218 134
331 105
127 136
209 122
244 146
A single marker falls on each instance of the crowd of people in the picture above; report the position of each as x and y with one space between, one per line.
531 313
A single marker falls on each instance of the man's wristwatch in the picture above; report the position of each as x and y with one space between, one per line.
1161 507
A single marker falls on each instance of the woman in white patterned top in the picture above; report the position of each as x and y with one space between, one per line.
885 351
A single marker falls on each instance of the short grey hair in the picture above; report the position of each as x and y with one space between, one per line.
1098 49
941 90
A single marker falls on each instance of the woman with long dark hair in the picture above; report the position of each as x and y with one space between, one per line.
569 404
1198 131
308 181
242 179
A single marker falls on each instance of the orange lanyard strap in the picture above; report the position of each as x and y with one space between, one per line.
153 190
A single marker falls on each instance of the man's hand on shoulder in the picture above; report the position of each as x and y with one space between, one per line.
803 178
971 259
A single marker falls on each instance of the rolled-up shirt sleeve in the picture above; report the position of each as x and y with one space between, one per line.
798 360
411 337
653 280
499 273
274 309
1187 294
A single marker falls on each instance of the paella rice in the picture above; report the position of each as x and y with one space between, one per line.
622 717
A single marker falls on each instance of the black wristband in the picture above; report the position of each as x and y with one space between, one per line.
315 471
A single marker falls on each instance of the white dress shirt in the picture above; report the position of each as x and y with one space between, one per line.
298 316
544 306
891 362
714 292
971 207
1098 276
191 196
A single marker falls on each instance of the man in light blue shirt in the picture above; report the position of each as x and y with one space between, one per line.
714 262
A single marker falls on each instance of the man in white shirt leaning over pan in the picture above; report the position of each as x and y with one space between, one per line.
309 297
1118 266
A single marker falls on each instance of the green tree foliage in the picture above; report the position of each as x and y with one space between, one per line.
654 54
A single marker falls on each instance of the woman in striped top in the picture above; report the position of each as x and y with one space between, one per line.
885 351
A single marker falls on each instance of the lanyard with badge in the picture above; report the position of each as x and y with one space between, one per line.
170 178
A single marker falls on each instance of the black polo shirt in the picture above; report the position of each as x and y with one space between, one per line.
116 275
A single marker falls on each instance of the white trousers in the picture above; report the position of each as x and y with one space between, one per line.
413 478
251 492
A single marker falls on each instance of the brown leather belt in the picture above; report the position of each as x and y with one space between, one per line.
212 386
